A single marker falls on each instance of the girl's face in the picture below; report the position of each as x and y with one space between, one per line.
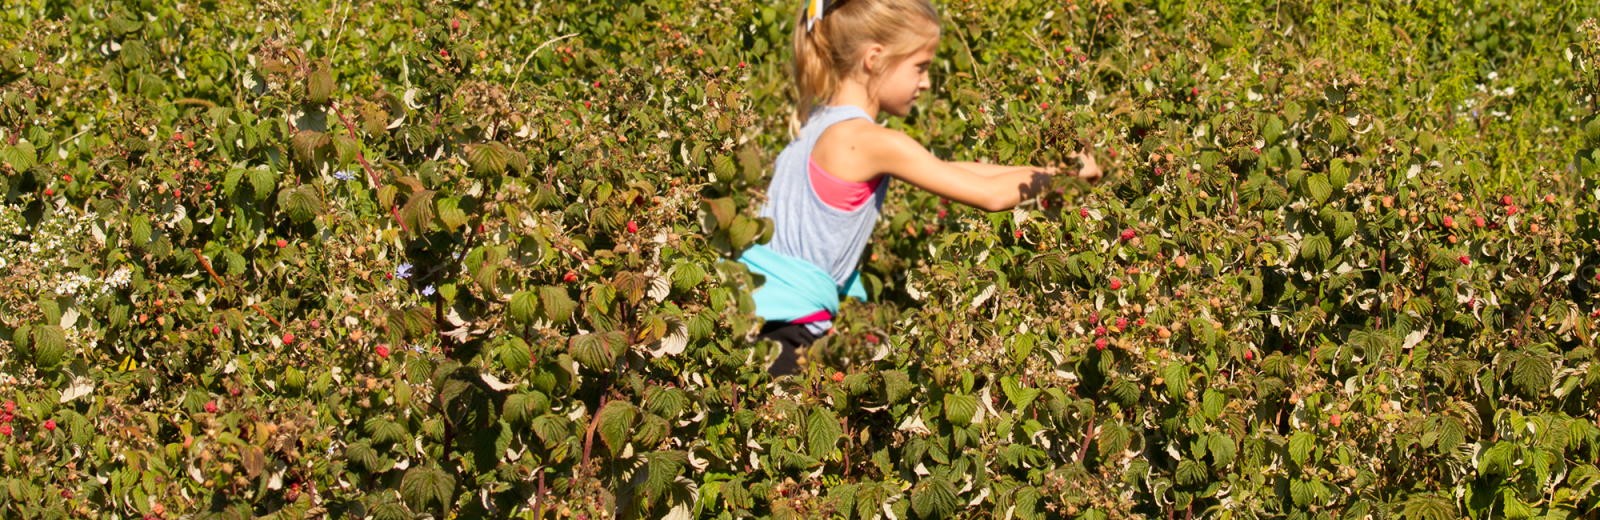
901 86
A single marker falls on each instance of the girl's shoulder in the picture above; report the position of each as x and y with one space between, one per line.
853 150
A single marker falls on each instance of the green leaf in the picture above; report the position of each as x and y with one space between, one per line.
21 157
934 497
1019 395
1222 449
1190 473
897 386
551 428
514 355
1300 446
302 204
1319 188
423 487
1113 440
556 303
598 351
959 409
743 231
523 306
263 181
1532 374
822 431
49 346
451 217
615 421
418 212
723 167
488 159
319 84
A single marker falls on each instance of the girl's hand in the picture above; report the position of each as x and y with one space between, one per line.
1090 171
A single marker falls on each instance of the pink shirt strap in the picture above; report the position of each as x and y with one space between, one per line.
838 193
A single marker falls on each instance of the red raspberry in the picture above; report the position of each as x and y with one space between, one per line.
50 425
49 192
1083 212
283 243
1511 210
1140 322
1477 221
872 338
1506 200
1116 284
1100 330
1122 323
211 407
1449 222
11 406
1194 91
741 65
216 330
444 53
570 277
455 24
1128 234
1044 106
66 178
1464 260
5 430
1100 344
383 351
1018 234
1249 355
1334 420
1549 199
941 213
288 338
633 226
837 376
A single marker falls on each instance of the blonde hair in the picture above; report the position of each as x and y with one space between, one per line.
825 55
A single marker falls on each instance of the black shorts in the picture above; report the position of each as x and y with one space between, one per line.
793 337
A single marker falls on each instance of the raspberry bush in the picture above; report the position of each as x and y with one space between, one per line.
392 258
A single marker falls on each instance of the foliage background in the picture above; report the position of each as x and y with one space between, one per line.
394 257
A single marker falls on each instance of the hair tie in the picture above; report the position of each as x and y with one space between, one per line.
814 10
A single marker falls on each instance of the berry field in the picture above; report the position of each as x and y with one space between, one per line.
396 259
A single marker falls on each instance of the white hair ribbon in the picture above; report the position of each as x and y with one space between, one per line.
814 9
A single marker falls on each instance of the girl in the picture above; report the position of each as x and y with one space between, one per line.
854 60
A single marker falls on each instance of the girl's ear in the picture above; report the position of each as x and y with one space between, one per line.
871 58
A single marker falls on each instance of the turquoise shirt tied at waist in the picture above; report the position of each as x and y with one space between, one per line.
795 288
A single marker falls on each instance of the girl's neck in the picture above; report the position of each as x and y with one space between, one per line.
854 93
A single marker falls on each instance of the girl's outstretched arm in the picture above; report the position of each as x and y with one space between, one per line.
898 155
1090 171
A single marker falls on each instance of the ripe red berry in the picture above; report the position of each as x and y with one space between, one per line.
1100 330
455 24
1477 221
941 213
66 178
383 351
11 407
1334 420
633 226
5 430
1082 58
1194 91
1094 318
1122 323
1044 106
1464 260
1083 212
1018 234
50 424
1128 234
288 338
585 104
1506 200
1100 344
216 330
1248 355
1549 199
283 243
1449 222
444 53
570 277
1116 284
837 376
1511 210
1140 322
211 407
741 64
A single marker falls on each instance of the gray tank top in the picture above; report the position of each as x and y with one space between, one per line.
806 227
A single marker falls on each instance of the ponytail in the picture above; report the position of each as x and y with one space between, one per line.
825 53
